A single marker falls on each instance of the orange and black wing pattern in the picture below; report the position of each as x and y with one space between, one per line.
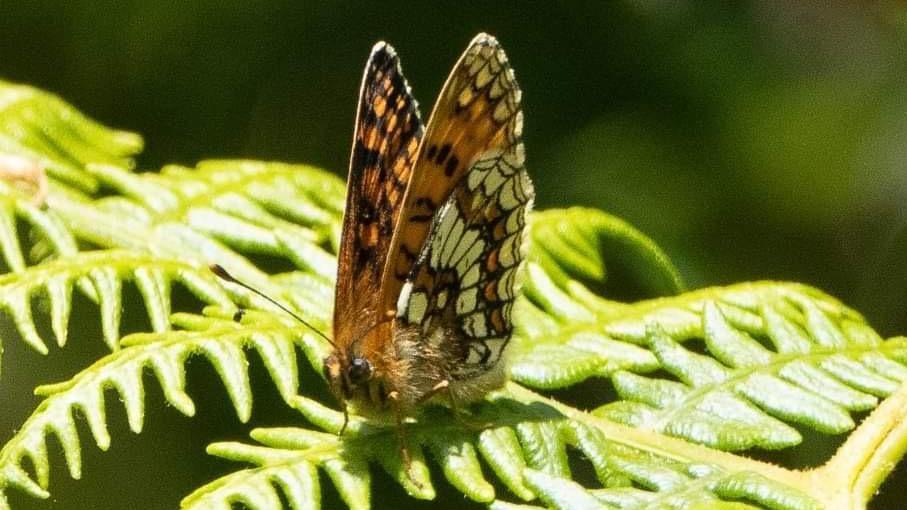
478 111
387 136
464 278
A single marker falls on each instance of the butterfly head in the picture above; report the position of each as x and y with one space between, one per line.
347 374
356 371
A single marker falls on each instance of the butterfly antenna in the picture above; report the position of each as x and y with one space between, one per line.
222 273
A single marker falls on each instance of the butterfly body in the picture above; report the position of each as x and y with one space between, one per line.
432 238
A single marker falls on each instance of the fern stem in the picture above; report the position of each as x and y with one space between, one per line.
856 471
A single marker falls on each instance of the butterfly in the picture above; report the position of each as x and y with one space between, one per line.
432 238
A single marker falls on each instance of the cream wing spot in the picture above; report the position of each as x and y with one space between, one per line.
505 284
499 60
497 88
476 325
484 164
493 348
471 277
477 201
516 157
403 298
496 346
517 93
518 124
438 338
494 181
467 257
476 64
455 234
415 311
487 51
484 76
474 178
446 225
507 198
466 302
514 221
501 112
508 255
469 241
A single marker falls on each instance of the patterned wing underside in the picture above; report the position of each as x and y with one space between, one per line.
385 144
477 113
464 278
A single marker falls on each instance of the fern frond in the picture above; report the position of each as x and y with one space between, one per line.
635 468
296 479
41 126
221 213
255 208
583 244
526 447
215 337
44 227
775 353
106 271
226 209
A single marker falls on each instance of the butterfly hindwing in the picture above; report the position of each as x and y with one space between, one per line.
464 278
476 112
387 135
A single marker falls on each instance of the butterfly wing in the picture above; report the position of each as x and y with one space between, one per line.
387 135
464 278
476 112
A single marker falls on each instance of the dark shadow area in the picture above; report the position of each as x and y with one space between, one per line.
586 395
815 449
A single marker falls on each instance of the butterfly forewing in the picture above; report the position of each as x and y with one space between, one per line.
464 277
476 112
386 140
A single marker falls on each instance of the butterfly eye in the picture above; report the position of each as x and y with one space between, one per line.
360 370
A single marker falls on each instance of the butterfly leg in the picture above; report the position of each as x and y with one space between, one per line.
346 420
437 388
394 398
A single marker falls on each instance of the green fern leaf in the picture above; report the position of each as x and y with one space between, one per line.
41 126
217 338
106 270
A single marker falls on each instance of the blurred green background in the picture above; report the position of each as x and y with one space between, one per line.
759 140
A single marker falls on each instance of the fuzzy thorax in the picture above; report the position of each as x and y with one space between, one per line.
409 371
